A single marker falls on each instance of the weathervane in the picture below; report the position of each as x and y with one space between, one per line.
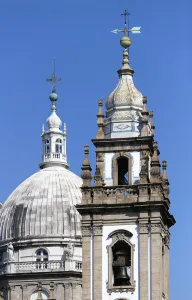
126 30
53 79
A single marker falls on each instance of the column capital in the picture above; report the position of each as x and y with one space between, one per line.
86 230
156 228
143 228
98 230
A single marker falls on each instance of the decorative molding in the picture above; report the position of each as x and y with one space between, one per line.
166 240
121 289
143 228
120 233
98 230
156 228
12 287
86 231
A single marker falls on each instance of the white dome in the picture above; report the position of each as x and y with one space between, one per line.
43 206
54 122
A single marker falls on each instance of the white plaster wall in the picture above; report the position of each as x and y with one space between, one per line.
108 158
55 253
108 168
133 228
136 167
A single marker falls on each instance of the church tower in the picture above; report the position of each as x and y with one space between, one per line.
125 211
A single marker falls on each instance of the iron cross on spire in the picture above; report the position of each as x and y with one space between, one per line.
126 29
53 79
126 14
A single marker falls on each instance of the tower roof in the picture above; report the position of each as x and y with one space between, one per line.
125 103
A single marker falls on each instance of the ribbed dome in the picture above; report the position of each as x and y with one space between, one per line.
125 94
43 205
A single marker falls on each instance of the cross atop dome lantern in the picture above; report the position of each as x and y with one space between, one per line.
54 139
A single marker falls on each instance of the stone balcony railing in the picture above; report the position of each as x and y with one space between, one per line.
110 194
36 267
54 156
122 194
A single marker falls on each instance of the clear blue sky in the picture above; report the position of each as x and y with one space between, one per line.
87 55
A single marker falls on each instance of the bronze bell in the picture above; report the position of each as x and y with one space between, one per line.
120 276
120 265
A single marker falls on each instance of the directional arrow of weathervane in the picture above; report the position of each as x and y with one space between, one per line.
134 30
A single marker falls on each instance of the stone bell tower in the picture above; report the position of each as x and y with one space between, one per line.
125 212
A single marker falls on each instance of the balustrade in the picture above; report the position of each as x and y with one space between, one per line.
112 194
26 267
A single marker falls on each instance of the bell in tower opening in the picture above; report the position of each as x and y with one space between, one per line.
121 264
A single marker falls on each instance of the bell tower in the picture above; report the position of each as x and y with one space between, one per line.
125 211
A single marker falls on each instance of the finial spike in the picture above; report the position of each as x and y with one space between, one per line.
165 180
155 164
43 128
86 168
65 128
100 116
144 131
151 122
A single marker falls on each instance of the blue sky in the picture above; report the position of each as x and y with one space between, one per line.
87 55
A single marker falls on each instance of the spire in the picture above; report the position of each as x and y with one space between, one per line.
125 103
53 122
86 168
155 165
165 180
54 140
125 42
144 130
151 122
100 116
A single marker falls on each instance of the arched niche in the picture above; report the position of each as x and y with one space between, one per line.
120 262
122 169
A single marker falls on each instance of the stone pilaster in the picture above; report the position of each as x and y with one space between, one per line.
156 261
86 258
97 232
13 292
143 260
25 291
166 267
68 291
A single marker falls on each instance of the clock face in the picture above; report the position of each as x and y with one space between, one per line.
122 127
45 295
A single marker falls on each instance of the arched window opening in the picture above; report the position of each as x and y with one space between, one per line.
121 263
58 146
47 147
41 255
123 170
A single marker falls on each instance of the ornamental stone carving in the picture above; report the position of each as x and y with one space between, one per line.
86 231
143 228
98 230
167 240
156 228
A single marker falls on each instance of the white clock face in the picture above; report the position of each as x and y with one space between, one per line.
122 126
44 296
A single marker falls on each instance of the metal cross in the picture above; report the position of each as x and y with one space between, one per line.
53 79
126 14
